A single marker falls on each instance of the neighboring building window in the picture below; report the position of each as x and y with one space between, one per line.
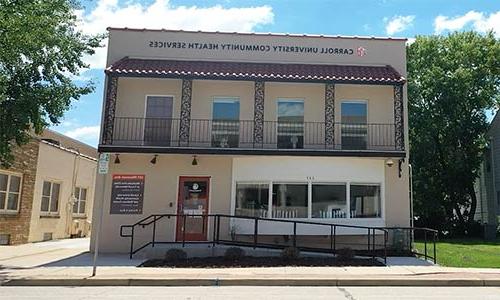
158 122
329 201
80 201
365 201
252 199
354 124
290 124
290 201
225 122
10 191
50 197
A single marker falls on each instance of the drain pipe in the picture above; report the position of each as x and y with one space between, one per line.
411 195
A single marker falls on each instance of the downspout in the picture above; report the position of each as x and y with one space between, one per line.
69 217
411 194
493 172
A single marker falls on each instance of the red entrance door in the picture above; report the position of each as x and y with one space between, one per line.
192 206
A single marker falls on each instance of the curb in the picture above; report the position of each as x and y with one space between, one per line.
250 282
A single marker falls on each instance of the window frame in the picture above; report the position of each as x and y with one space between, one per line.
381 199
227 99
310 184
9 174
290 100
78 201
49 212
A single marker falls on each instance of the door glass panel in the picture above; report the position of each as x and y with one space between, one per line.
354 125
290 124
195 201
158 123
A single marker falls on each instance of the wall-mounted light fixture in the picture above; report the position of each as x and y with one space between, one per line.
195 161
117 158
389 163
153 160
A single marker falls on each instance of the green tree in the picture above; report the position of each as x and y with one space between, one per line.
453 81
41 49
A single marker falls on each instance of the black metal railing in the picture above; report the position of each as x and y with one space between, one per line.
240 134
219 229
403 239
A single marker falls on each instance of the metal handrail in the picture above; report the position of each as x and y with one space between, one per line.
411 231
236 134
154 218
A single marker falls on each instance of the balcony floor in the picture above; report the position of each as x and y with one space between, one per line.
247 151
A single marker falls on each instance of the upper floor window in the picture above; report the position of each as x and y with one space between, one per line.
290 123
158 120
225 122
354 124
80 201
10 191
50 197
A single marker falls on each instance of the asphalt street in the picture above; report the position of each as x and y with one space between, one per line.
249 292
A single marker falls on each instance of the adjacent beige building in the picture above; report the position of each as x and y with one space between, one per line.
48 191
255 126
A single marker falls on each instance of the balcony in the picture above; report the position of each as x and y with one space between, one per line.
230 136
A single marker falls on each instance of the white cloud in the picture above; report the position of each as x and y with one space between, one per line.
398 24
85 133
162 14
476 20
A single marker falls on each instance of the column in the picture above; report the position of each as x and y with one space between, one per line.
185 121
258 114
109 110
399 128
329 115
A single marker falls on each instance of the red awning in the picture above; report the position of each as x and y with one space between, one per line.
224 70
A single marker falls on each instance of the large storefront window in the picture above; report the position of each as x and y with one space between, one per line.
290 124
252 200
295 200
329 201
289 201
226 125
365 201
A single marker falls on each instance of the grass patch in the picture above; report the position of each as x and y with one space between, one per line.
465 253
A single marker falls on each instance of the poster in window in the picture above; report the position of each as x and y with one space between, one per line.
127 194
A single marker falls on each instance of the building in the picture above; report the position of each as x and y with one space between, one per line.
48 191
488 184
276 126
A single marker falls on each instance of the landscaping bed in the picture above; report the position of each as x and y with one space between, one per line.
258 262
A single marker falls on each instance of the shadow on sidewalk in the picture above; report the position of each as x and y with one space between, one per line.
104 260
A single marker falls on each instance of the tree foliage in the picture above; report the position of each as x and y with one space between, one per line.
453 81
41 49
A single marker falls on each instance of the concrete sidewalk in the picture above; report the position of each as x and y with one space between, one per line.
68 263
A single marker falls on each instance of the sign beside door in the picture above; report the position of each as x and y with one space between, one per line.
127 194
192 205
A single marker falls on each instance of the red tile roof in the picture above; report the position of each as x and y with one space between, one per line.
254 71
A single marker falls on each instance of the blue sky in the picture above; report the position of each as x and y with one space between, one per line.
348 17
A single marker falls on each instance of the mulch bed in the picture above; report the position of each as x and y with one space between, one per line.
259 262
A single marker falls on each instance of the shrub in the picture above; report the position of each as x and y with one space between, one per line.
234 254
345 254
175 255
290 253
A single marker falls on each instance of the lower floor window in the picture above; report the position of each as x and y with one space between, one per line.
252 200
329 201
365 201
289 201
308 200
